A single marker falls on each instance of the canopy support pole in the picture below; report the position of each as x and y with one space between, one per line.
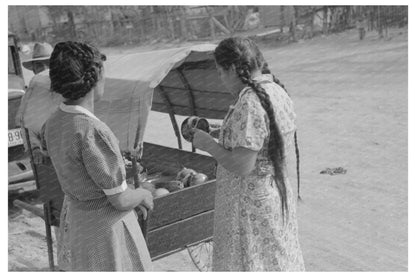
191 97
172 116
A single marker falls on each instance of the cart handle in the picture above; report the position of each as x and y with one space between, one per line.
31 208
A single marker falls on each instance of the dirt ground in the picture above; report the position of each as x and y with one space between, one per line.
351 99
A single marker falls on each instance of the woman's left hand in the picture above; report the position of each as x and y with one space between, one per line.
202 140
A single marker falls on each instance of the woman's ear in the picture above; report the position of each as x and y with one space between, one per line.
101 73
232 69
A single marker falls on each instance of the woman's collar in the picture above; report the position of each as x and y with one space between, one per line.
264 77
76 109
259 78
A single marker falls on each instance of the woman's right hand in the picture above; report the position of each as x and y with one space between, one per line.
132 198
147 198
147 203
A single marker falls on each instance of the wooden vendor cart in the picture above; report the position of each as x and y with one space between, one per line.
181 81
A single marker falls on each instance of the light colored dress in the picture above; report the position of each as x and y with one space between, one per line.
249 234
89 166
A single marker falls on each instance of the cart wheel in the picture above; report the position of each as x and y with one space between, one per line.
201 255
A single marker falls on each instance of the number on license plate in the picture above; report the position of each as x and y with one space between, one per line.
15 137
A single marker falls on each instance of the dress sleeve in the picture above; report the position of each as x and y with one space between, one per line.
102 159
249 127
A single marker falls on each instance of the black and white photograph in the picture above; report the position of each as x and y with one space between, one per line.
208 138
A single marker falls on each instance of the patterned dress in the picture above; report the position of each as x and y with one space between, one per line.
249 234
90 167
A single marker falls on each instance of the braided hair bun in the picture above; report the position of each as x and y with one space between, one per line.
75 69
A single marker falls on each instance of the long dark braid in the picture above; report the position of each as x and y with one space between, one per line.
243 54
276 147
265 70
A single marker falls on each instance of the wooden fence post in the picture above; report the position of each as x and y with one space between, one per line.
184 31
312 20
170 19
211 23
212 27
325 23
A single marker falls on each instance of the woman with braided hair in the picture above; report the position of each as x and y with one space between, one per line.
255 222
99 224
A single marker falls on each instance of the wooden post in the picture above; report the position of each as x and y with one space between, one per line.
141 29
73 32
312 19
227 24
325 23
184 31
172 116
191 97
379 25
171 27
49 242
211 23
111 23
282 18
293 24
189 90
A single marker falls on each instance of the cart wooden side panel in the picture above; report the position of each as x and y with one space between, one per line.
179 219
175 237
159 158
184 217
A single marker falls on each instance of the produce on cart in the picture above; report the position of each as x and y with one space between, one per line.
181 81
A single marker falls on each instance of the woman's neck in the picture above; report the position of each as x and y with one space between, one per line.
86 102
239 85
237 89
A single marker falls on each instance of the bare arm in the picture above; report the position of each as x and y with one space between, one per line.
240 160
215 132
131 198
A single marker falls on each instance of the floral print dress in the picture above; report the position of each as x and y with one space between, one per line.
249 233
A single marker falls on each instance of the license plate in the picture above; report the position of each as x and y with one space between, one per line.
15 137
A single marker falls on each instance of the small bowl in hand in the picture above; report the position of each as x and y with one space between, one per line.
191 123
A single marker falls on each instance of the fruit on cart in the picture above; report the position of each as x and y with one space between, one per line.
185 172
149 186
187 180
171 186
160 192
190 177
185 176
198 179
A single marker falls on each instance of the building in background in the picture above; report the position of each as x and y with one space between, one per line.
118 25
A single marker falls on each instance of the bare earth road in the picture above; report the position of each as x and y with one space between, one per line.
351 101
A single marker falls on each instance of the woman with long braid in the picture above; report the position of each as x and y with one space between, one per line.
266 70
255 223
99 224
